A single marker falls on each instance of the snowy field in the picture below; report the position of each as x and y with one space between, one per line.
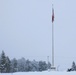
40 73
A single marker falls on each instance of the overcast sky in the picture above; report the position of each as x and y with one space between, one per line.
26 30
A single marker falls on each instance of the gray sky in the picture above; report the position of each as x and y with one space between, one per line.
25 30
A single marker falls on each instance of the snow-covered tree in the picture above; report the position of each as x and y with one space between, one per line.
21 64
28 66
42 66
3 62
14 67
35 65
0 61
73 66
8 64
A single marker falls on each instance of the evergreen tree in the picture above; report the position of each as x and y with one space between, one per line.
21 64
35 65
14 67
73 66
28 66
3 63
42 66
0 62
8 64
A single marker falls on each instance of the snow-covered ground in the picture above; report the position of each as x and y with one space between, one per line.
41 73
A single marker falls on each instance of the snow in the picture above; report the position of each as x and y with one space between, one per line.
41 73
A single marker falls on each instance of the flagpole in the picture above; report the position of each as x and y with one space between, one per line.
53 67
52 44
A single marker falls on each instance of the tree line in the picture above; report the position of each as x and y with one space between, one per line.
21 65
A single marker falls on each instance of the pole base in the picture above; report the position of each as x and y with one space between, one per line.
53 68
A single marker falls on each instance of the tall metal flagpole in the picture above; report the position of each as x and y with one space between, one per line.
53 37
52 44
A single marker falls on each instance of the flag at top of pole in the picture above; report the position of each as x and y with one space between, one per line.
52 14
